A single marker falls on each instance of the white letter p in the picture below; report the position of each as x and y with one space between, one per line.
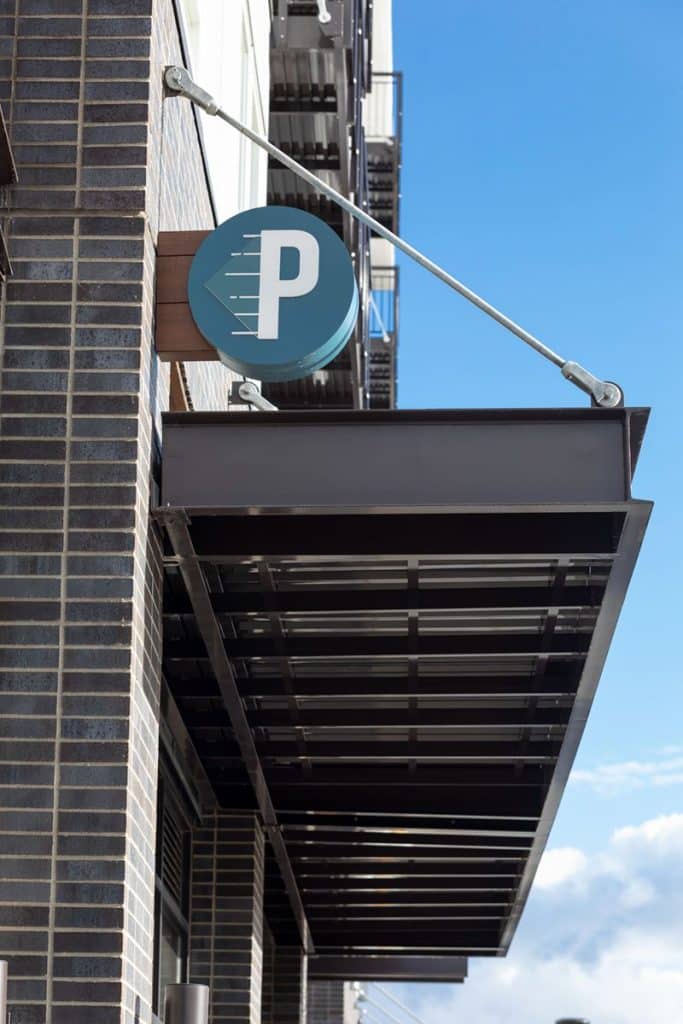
272 287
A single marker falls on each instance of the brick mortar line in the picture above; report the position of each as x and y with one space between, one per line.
50 980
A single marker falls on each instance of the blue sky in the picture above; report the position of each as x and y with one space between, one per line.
543 160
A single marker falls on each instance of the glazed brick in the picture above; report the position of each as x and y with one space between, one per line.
87 942
117 707
87 967
94 775
46 69
25 989
36 657
50 7
97 70
99 753
25 775
89 917
98 426
108 359
26 155
22 682
92 799
38 291
69 1013
33 403
128 47
24 917
29 132
108 270
112 27
93 728
26 728
104 657
43 111
99 565
120 7
23 966
29 314
50 177
19 381
30 519
112 90
27 704
91 846
103 473
33 426
43 270
106 381
105 405
35 358
61 47
46 200
115 113
90 870
28 496
116 226
102 893
114 135
25 868
114 177
43 225
88 992
50 90
43 450
108 587
42 27
104 292
126 200
101 497
124 316
30 565
110 248
47 542
24 942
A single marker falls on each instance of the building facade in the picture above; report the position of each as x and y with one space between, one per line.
113 882
273 715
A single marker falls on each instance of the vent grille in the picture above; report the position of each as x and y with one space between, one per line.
172 853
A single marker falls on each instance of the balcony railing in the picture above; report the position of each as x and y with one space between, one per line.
383 118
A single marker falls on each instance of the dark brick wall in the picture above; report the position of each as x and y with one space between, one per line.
325 1002
290 986
267 987
226 916
80 392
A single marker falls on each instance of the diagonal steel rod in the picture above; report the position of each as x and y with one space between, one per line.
603 393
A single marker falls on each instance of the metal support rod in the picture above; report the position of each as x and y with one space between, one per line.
603 393
397 1002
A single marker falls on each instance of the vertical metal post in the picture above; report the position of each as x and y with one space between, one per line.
186 1004
3 992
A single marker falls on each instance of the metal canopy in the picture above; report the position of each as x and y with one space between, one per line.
415 608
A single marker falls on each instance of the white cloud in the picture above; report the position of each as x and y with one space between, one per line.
626 776
601 938
559 865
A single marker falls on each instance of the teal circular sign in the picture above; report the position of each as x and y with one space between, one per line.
273 290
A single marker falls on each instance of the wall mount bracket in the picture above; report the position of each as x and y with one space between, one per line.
604 394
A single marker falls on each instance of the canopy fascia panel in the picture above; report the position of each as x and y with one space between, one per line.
385 630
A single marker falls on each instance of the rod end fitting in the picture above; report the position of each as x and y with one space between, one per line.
604 393
179 81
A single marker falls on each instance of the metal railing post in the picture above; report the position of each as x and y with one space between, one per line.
3 992
186 1004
